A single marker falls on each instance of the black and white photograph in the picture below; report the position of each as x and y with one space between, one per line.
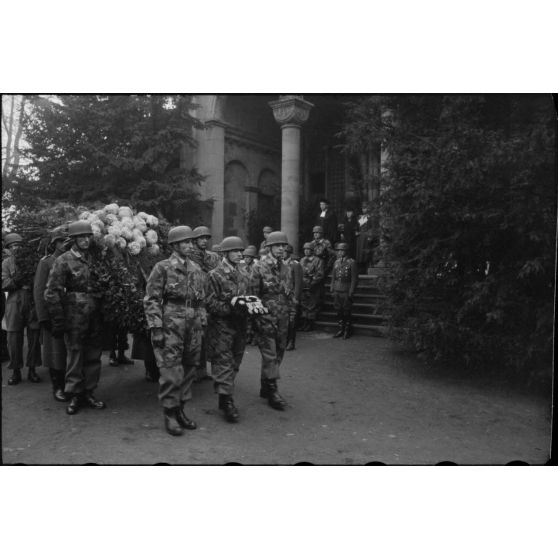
274 279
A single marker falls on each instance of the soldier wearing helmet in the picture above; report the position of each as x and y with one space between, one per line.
263 246
207 260
312 279
323 250
175 312
227 303
291 261
344 279
277 291
54 349
74 307
20 314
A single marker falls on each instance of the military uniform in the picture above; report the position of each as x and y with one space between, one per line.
20 315
249 269
174 301
54 349
71 300
312 279
297 279
343 284
226 331
276 291
323 250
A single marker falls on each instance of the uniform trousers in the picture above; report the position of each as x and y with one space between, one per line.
272 341
15 348
54 350
309 303
83 367
178 367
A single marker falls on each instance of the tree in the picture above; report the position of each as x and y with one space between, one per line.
13 109
468 212
88 149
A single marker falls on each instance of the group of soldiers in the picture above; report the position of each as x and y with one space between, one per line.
200 305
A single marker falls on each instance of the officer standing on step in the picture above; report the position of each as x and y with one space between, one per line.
229 305
323 250
54 349
175 313
20 315
344 279
276 291
74 308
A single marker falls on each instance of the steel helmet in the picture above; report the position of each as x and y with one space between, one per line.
78 228
177 234
341 246
231 243
251 251
267 229
12 238
59 233
319 229
308 246
201 231
276 237
216 248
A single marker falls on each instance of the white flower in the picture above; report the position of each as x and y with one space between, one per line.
126 233
134 248
115 230
151 237
141 241
137 234
110 218
110 240
153 250
84 216
100 213
125 211
152 221
98 223
96 230
112 208
142 215
127 222
121 242
140 224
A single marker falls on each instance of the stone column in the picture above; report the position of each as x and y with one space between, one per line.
290 111
211 164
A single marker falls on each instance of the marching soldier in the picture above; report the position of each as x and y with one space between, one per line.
207 260
249 264
229 304
263 246
75 312
54 349
176 316
343 284
297 276
20 315
276 291
312 278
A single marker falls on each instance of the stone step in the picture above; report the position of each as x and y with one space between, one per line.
365 309
363 298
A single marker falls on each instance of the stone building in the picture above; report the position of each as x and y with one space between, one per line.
259 153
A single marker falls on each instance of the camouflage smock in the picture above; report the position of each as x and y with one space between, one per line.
206 259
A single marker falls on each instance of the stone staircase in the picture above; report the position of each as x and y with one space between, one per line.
370 311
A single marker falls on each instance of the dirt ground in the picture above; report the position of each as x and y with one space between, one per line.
350 403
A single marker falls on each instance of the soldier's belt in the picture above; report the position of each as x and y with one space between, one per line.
184 301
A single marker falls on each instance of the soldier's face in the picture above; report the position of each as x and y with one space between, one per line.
278 251
340 254
248 259
266 234
83 241
202 242
323 206
308 252
317 235
183 247
13 248
234 256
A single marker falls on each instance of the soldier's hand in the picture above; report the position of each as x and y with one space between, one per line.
157 337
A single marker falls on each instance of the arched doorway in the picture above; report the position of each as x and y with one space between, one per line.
236 181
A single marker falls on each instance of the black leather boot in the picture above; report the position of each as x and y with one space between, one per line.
184 421
273 397
348 329
32 376
123 359
172 425
15 378
75 404
226 404
91 401
341 331
113 361
57 379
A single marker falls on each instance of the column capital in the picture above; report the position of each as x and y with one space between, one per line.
291 110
